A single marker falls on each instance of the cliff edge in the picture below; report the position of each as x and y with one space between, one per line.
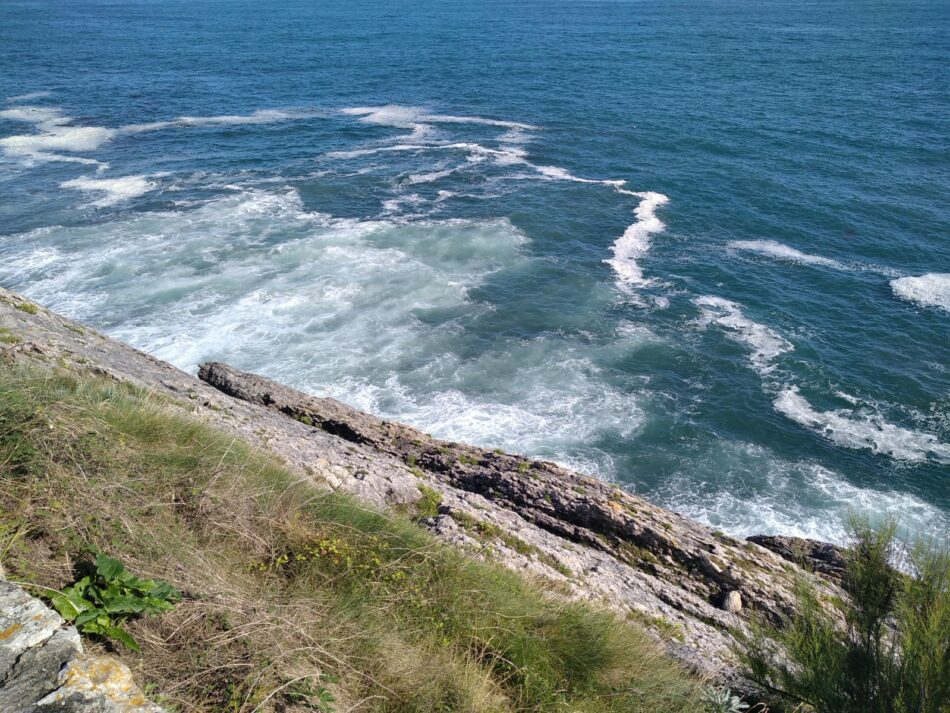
695 588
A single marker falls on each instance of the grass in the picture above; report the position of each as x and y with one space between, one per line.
293 599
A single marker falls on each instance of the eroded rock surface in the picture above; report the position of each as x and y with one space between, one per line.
590 538
43 668
821 557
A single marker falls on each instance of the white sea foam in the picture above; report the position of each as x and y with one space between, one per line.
365 311
765 344
429 177
54 134
261 116
113 190
394 205
779 251
930 290
856 428
752 491
411 117
562 174
635 241
27 97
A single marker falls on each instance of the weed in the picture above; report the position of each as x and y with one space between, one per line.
102 600
428 504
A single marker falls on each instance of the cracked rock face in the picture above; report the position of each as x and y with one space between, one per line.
43 668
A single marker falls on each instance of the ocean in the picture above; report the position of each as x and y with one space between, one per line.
701 249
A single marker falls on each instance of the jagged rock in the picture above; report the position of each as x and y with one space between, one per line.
595 540
732 602
35 645
43 668
821 557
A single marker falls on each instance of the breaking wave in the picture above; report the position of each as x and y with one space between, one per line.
853 429
930 290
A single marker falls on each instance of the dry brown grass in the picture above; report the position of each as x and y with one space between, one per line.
290 594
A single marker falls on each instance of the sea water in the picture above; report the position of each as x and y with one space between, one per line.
698 248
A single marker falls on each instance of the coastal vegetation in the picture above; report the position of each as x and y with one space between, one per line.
291 598
892 654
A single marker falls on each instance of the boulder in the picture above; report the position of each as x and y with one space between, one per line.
43 668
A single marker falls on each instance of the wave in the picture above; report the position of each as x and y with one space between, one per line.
752 491
27 97
54 134
930 290
411 117
261 116
55 131
779 251
862 431
635 241
115 190
765 344
368 311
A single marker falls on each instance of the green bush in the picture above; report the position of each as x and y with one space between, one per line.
892 654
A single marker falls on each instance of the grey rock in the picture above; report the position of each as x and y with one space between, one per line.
732 602
820 557
43 668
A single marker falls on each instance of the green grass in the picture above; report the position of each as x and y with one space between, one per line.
290 592
27 307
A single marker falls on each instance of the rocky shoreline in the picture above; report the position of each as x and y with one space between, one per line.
695 588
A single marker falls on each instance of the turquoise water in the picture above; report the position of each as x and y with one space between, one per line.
701 248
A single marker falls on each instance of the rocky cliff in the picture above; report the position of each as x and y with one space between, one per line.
694 587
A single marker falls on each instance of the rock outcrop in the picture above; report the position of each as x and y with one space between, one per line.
43 668
820 557
694 587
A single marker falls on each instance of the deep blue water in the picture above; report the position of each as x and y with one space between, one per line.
412 206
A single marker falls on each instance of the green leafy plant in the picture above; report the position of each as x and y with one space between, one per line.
102 600
312 697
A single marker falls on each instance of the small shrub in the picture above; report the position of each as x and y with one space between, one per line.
428 504
27 307
722 700
893 654
99 602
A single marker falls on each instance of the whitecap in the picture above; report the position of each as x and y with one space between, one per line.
54 133
930 290
752 491
766 345
429 177
405 117
861 430
115 190
562 174
635 241
260 116
779 251
27 97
